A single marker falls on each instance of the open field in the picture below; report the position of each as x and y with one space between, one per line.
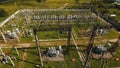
29 61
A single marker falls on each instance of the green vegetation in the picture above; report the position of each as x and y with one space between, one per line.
100 5
2 0
111 35
108 1
3 13
32 59
112 62
40 0
95 63
12 53
104 7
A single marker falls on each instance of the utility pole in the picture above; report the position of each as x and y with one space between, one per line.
2 51
11 61
90 45
38 47
3 37
17 51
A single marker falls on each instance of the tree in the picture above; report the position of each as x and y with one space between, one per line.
2 0
40 0
3 13
108 1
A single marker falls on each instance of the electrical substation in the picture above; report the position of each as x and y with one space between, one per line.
58 38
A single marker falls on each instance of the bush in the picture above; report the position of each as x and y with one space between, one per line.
6 1
2 0
3 13
108 1
40 0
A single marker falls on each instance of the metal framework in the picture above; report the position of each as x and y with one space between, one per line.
90 45
61 28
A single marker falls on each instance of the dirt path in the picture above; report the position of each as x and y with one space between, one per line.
53 43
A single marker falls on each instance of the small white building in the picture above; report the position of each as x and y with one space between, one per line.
117 2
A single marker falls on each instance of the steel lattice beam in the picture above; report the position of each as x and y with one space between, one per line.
60 28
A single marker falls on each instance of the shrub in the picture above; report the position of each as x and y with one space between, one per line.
3 13
40 0
2 0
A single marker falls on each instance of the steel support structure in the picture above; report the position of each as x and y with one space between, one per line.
90 45
61 28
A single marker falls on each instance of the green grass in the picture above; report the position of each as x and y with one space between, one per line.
95 63
51 35
32 59
12 53
26 39
112 62
11 7
111 35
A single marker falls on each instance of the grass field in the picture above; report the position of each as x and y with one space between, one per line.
12 52
67 63
31 62
95 63
33 4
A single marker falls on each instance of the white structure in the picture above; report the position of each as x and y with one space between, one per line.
9 33
17 31
113 15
